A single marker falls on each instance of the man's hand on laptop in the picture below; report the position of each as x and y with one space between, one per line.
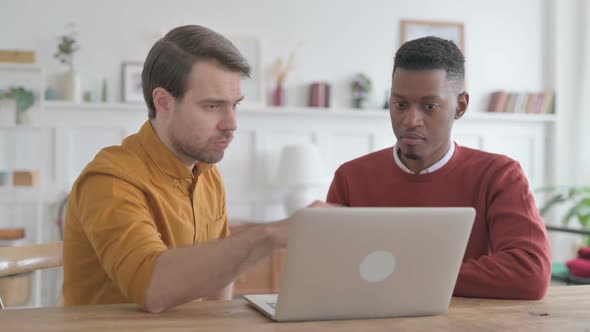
322 204
279 230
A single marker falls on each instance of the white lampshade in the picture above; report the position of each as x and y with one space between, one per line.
301 165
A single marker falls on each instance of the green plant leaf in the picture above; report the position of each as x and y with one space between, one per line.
580 211
571 213
66 47
557 199
23 97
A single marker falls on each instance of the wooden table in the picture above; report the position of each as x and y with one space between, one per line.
566 308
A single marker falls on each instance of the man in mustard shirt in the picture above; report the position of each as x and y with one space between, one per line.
141 215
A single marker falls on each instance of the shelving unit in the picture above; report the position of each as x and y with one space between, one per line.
23 147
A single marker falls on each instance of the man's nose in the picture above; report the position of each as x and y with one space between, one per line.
229 121
414 117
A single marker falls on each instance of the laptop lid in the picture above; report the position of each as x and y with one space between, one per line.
348 263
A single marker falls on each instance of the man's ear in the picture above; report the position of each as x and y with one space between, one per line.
163 100
462 103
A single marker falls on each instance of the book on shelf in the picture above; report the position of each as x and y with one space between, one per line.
509 108
539 103
549 104
522 102
530 105
497 101
17 56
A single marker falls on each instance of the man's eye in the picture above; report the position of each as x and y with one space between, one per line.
400 105
212 107
431 107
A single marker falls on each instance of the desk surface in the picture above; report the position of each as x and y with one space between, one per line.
565 308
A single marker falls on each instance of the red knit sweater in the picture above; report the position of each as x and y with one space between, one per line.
508 253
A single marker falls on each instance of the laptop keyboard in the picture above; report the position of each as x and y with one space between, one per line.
272 305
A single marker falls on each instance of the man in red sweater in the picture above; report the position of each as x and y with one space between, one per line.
508 253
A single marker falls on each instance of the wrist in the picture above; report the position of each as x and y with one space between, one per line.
275 234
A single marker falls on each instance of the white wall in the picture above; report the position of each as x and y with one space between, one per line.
504 39
584 95
570 47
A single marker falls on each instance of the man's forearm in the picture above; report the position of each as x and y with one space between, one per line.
224 294
184 274
512 274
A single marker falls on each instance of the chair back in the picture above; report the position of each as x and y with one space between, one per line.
28 258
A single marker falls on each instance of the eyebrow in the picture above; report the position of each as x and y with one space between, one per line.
396 95
432 97
218 101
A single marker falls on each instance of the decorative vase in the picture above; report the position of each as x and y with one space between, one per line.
23 117
72 86
278 96
359 102
104 92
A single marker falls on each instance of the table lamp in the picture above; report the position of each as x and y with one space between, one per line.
302 174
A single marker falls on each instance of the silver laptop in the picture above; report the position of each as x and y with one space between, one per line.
350 263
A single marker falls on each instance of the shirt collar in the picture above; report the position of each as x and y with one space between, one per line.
437 165
163 157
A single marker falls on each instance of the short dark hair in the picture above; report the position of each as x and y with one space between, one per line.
432 53
169 62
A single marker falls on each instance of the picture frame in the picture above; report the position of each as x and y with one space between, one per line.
253 87
132 90
413 29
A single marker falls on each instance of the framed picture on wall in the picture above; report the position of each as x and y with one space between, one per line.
413 29
132 91
252 88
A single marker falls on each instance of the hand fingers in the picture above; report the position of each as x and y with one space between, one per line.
320 204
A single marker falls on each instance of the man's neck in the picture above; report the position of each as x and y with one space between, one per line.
161 133
418 166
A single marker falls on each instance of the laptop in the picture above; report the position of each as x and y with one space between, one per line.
353 263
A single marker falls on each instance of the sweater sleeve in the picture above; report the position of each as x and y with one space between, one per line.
338 193
519 264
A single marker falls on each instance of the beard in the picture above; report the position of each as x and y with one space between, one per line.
412 156
202 153
408 155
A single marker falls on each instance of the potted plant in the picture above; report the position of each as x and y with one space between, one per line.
24 99
66 48
577 199
361 88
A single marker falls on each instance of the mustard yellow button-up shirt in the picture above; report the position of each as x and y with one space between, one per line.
129 204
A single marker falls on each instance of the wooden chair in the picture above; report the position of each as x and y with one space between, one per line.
28 258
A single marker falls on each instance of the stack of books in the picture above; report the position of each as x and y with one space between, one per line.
515 102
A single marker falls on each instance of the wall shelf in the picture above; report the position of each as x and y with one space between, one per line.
20 67
295 111
52 105
511 117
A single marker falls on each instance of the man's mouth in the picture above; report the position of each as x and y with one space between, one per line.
412 139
